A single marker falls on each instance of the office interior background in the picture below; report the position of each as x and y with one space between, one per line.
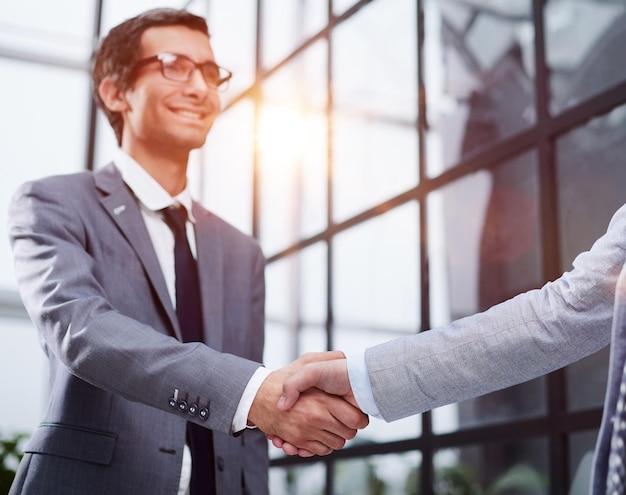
403 163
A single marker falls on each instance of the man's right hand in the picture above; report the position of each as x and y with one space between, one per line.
316 422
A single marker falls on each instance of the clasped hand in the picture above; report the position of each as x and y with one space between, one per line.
307 421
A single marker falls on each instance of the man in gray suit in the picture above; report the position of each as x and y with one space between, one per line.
532 334
98 274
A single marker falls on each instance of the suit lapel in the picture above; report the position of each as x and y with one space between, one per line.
124 211
211 269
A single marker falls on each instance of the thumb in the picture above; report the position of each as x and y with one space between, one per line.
300 381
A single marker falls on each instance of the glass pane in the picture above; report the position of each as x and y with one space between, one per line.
392 474
287 24
375 284
114 13
479 72
590 178
225 167
584 39
581 449
517 402
374 106
19 344
42 132
296 298
372 162
309 479
370 80
340 6
232 26
61 29
513 467
484 239
586 381
484 247
376 294
293 156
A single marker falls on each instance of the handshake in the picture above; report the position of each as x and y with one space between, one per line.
308 408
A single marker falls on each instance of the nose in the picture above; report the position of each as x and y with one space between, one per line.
198 85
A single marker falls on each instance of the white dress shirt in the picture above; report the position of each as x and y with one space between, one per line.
153 198
360 384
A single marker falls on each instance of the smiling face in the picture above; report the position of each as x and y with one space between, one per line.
164 116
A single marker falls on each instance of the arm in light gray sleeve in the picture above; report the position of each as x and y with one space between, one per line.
530 335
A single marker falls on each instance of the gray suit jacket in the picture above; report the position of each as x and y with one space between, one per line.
92 284
520 339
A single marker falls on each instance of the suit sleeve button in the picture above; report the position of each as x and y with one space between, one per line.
203 414
182 405
193 409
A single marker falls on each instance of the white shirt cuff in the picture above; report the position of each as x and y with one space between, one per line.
360 384
240 421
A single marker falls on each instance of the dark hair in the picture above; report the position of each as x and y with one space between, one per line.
121 48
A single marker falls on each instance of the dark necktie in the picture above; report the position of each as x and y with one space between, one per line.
189 313
616 474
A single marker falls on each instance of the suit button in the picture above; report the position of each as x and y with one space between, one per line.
172 402
193 409
220 463
203 414
182 405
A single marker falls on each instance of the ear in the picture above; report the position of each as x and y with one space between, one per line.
112 96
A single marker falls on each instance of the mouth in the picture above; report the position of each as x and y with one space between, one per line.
190 114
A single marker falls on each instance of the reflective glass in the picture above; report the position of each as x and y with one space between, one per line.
308 479
391 474
223 168
62 29
484 239
340 6
374 138
296 287
519 467
376 273
288 24
590 178
372 161
19 344
232 26
484 247
590 181
371 81
296 299
43 130
584 39
581 448
114 13
479 76
293 153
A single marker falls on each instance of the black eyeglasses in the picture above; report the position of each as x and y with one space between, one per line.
176 67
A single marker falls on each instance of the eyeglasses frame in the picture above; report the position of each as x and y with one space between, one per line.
159 57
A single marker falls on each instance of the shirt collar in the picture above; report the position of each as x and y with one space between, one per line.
147 190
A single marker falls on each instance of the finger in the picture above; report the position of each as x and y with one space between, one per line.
304 379
305 453
289 449
322 448
276 441
349 416
315 357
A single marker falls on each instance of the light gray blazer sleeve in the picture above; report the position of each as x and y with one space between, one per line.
530 335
